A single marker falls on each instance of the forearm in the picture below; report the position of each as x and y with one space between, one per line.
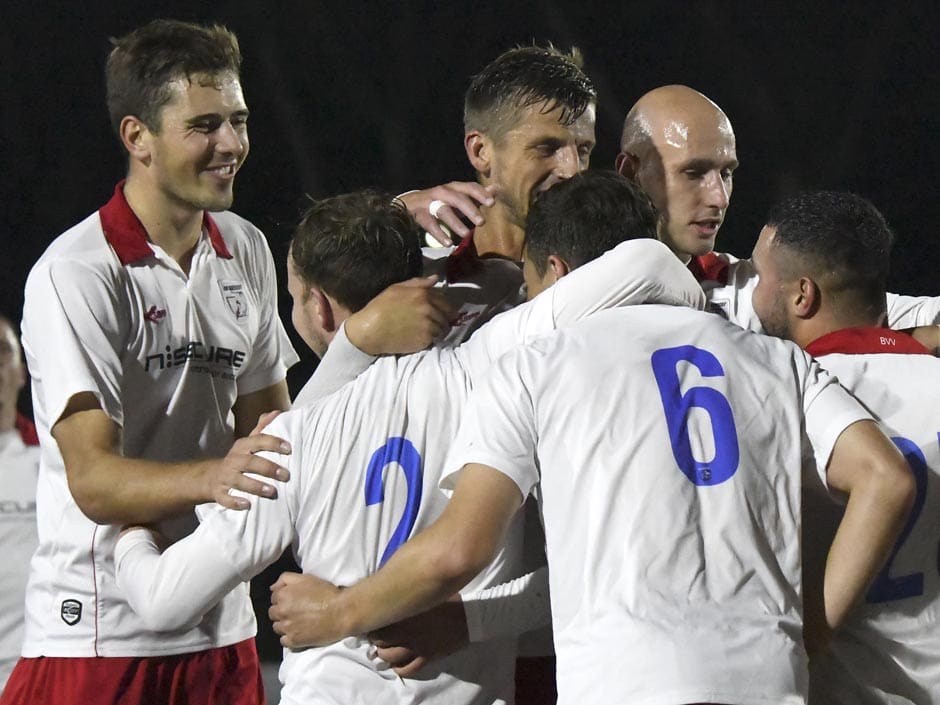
874 516
509 609
112 489
422 573
153 583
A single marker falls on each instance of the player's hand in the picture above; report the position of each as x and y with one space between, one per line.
405 318
408 645
455 198
301 611
221 476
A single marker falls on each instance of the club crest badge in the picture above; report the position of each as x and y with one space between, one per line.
233 294
71 612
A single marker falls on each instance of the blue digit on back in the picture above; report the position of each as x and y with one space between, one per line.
401 451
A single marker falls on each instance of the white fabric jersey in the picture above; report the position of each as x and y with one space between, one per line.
365 467
19 465
888 651
166 355
669 446
729 284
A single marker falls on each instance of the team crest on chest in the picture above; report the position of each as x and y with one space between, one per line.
233 294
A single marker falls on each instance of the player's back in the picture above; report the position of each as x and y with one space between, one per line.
890 647
372 455
670 448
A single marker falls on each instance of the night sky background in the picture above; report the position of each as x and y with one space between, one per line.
346 95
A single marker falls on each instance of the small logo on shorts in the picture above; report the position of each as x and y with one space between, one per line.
71 611
234 296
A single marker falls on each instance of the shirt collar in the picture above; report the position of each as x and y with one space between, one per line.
126 234
710 268
862 341
463 261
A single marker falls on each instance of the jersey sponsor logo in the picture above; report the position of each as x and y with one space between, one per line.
215 358
154 314
233 294
71 611
464 317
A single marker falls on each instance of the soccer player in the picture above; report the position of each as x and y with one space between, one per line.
680 148
823 262
668 446
153 341
366 460
19 465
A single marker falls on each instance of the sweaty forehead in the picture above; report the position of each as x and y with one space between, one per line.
535 119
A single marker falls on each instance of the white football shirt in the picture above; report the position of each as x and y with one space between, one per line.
888 650
166 355
19 466
669 446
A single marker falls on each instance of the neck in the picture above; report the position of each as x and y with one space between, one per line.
499 235
173 227
823 323
7 416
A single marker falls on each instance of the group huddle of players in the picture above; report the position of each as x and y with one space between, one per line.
733 461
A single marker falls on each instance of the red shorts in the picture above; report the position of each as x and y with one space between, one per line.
229 675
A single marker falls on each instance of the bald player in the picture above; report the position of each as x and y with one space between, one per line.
679 146
823 261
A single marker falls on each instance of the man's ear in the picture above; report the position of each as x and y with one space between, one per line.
627 165
136 138
806 299
479 151
324 310
558 266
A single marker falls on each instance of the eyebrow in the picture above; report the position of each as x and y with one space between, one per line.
708 164
215 116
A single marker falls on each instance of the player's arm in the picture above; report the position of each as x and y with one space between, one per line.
250 408
112 489
928 336
506 610
423 572
867 466
454 199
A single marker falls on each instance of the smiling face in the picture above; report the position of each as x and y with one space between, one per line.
201 142
536 153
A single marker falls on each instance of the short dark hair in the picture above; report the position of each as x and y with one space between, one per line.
143 63
527 76
579 219
355 245
842 237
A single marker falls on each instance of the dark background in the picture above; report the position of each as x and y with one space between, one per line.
345 95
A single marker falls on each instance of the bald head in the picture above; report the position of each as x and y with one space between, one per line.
679 146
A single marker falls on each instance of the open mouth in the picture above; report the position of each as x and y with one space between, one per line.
224 170
707 227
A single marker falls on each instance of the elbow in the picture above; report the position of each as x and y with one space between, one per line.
461 562
91 503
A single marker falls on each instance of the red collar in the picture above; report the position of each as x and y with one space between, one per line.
710 268
861 341
463 261
126 234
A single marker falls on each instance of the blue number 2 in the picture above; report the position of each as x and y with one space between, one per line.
885 588
401 451
677 405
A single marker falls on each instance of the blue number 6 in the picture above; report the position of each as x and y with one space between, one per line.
676 405
402 451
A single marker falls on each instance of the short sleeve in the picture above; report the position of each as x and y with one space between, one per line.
74 336
912 311
828 409
498 427
273 353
